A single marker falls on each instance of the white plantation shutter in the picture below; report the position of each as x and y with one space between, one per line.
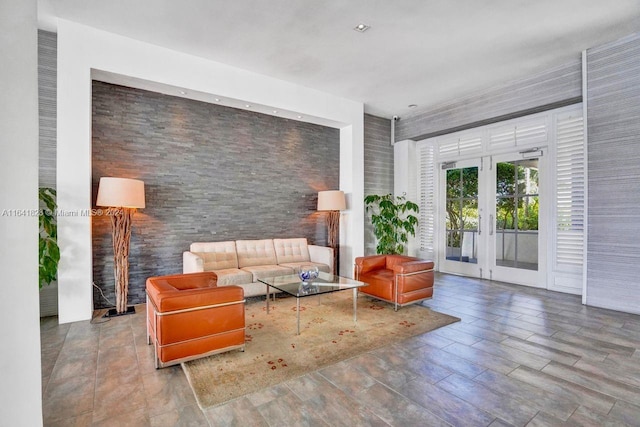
448 147
426 201
460 145
533 131
525 132
570 192
470 144
502 136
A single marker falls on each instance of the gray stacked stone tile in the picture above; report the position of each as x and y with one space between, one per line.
211 173
378 168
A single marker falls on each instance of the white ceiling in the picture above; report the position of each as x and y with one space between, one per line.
422 52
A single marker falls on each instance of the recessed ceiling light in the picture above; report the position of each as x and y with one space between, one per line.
299 117
248 105
361 28
182 92
275 111
217 99
412 105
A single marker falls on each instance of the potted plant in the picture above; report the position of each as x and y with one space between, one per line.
392 221
48 244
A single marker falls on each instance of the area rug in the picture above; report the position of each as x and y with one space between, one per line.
274 353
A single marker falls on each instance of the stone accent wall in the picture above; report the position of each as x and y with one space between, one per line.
47 92
211 173
378 168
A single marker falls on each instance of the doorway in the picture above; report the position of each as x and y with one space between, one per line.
490 218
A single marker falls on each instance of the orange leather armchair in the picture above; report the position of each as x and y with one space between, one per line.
189 317
398 279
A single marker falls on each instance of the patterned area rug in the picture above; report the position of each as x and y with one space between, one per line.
274 353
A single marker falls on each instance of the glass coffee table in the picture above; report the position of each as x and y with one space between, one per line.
324 284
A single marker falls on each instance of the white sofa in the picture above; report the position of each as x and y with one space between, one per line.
243 262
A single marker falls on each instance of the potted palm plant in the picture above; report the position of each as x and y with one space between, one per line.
392 221
49 252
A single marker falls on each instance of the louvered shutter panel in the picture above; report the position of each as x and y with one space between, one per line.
427 214
502 136
570 192
522 133
470 144
453 147
448 147
533 131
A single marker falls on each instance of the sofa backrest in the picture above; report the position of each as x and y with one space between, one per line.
255 252
291 250
216 255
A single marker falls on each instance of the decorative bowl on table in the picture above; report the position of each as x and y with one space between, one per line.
308 273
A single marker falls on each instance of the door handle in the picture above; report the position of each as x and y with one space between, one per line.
479 225
490 225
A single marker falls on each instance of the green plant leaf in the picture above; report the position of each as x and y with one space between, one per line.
391 225
49 252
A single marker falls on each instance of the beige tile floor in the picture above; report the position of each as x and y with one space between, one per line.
520 356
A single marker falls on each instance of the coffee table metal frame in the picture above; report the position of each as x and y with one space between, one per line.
324 284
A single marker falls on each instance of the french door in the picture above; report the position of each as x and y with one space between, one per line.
490 218
462 218
516 202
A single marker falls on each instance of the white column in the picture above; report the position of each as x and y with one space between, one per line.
20 386
352 183
405 179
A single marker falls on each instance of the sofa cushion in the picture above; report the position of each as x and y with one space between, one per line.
291 250
265 271
233 276
256 253
296 266
216 255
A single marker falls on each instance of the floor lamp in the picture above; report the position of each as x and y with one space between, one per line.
333 202
123 196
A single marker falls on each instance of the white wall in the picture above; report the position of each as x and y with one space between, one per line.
83 50
20 382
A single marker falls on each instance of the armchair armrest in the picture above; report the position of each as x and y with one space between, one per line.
321 254
413 267
192 263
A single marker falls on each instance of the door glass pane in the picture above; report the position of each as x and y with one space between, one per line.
453 183
517 206
462 214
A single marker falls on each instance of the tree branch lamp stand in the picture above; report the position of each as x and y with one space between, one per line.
123 196
333 202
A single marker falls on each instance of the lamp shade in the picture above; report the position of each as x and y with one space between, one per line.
331 200
120 192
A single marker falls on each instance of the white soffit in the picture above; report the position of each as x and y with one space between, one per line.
415 51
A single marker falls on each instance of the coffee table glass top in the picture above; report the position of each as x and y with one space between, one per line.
325 283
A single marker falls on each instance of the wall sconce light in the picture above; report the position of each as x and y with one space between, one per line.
123 196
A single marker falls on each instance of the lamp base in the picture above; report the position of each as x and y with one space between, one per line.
114 313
